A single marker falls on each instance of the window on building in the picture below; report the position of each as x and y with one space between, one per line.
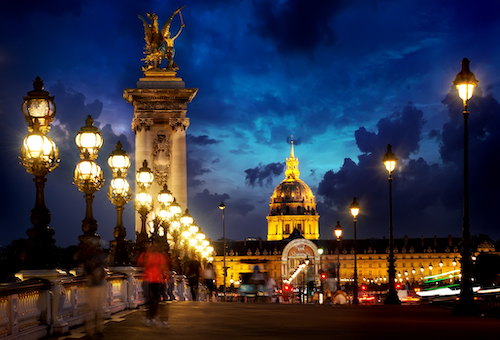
299 227
299 210
287 228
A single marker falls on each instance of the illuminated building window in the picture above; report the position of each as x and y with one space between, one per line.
299 226
287 228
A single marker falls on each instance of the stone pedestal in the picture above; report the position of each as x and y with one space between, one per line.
160 104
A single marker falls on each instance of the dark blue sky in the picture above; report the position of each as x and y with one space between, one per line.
344 77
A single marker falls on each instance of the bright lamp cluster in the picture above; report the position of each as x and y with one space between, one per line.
168 223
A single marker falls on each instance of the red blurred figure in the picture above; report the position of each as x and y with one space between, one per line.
156 268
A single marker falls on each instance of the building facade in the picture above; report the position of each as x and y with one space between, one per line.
293 240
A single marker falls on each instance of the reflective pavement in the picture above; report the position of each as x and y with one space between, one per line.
205 320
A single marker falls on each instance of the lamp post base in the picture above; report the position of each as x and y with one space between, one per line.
392 298
466 308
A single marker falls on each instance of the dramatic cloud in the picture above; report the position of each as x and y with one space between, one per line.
262 175
201 140
421 189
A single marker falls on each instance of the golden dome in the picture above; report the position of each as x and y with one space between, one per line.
292 191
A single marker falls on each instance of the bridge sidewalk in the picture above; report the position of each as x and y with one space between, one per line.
203 320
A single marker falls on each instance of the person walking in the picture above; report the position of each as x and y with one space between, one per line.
209 276
156 267
193 274
93 260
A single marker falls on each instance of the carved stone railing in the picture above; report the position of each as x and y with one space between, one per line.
36 307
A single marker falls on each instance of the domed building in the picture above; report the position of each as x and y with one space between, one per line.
293 206
293 240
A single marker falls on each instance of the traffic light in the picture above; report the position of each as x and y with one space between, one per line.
322 275
363 287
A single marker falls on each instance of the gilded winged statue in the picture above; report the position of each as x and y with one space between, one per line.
160 45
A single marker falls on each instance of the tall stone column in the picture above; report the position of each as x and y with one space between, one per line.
160 105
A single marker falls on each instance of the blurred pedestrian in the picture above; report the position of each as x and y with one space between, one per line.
193 274
156 266
93 260
209 277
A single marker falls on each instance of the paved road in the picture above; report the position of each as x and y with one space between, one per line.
202 320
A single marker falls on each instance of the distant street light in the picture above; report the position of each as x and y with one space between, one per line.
224 269
88 174
465 82
119 194
338 233
392 298
39 156
143 204
354 212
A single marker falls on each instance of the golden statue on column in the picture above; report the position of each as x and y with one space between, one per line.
160 45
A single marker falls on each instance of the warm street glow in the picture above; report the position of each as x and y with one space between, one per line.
120 186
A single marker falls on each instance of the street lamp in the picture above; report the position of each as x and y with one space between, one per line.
354 212
143 204
392 298
320 252
465 82
119 194
338 233
224 269
88 174
38 107
164 216
39 156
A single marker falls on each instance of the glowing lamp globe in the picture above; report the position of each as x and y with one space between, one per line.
120 186
144 176
144 199
389 159
175 209
338 230
354 208
89 139
186 219
38 106
465 81
119 160
165 197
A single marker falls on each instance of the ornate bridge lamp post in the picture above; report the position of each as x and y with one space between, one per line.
39 155
465 82
143 204
119 194
354 212
186 221
392 298
165 198
88 174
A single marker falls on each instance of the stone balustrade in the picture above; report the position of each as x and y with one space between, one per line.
41 306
